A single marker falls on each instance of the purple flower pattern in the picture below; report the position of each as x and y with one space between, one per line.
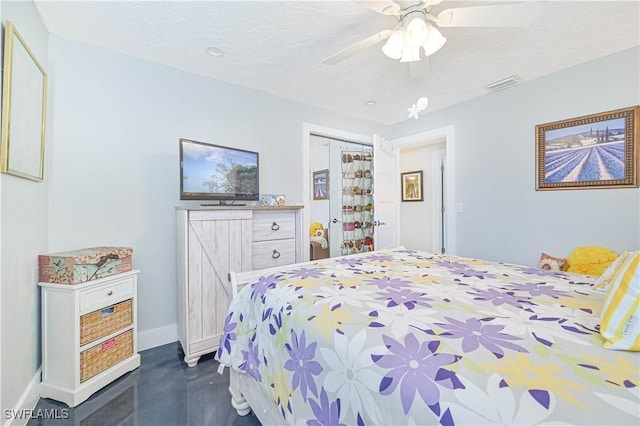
379 258
539 289
498 298
251 362
228 335
411 363
387 282
302 364
416 367
327 413
261 286
475 333
306 273
404 296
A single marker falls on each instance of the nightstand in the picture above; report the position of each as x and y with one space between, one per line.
89 336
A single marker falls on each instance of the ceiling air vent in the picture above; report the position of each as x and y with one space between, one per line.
504 83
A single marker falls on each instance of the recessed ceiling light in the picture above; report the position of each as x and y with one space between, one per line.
214 51
370 103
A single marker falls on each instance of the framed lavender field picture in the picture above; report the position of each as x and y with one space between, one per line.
321 185
589 152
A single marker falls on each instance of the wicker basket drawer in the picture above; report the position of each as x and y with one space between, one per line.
104 355
103 322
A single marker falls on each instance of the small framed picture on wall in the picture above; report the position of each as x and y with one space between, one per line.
321 185
412 186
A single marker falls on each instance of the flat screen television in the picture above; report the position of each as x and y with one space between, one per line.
215 172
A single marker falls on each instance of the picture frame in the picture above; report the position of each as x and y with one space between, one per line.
321 185
411 189
589 152
24 99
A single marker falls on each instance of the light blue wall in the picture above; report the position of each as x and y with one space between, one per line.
24 232
115 177
503 217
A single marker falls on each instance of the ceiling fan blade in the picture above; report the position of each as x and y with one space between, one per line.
384 7
502 15
358 47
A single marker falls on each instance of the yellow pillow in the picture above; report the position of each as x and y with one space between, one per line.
314 227
620 322
592 260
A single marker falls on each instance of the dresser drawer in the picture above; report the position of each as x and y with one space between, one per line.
269 225
91 300
267 254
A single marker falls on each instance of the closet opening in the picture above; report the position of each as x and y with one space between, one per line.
341 206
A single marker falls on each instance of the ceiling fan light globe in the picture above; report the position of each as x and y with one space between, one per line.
417 32
410 54
434 43
393 47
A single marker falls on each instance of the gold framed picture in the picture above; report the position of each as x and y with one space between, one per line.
412 186
24 101
589 152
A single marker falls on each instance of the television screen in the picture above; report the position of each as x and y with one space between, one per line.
214 172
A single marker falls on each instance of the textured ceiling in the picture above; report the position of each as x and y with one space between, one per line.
277 47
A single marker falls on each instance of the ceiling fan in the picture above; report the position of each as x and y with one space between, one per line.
417 34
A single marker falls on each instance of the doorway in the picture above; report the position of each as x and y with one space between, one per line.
421 225
442 223
316 157
341 216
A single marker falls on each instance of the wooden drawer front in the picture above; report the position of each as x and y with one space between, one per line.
98 358
274 225
94 299
266 254
105 321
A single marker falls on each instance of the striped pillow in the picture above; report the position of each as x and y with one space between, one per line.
620 322
607 276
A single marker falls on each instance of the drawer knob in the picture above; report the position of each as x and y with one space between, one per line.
275 226
276 254
110 292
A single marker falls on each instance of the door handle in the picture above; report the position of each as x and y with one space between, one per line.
379 223
335 220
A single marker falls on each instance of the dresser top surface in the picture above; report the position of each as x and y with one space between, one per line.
232 207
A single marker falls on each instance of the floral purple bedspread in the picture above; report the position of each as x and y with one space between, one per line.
405 337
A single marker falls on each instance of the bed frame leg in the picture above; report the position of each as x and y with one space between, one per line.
238 401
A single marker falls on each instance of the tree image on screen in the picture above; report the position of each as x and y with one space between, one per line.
219 171
233 179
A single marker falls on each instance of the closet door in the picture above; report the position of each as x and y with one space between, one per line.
386 195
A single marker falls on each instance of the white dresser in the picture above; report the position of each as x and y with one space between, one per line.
213 241
89 336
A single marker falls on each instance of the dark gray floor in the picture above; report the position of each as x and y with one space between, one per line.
162 391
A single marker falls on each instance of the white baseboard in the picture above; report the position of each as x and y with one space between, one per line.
157 337
20 414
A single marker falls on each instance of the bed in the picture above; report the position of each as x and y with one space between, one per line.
409 337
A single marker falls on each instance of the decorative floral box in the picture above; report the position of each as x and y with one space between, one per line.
78 266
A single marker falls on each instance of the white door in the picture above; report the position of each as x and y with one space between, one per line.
386 184
335 199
